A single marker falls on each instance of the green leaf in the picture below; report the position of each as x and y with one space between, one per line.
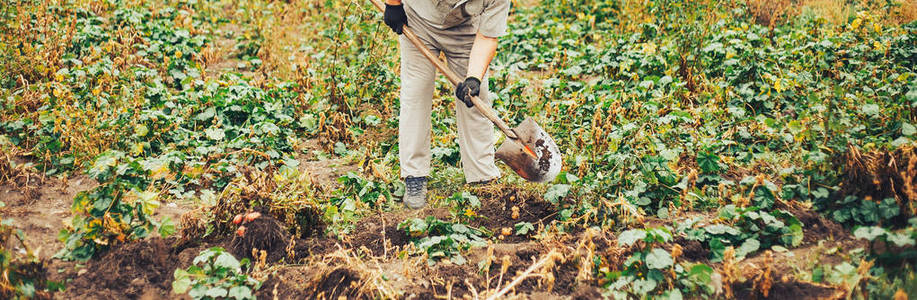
794 235
708 162
167 227
458 259
182 282
206 255
728 212
795 126
659 259
721 229
557 192
207 114
340 149
459 228
672 295
644 286
216 292
198 292
141 130
226 260
215 134
869 232
908 129
820 193
414 227
240 292
748 247
701 273
900 240
871 109
523 228
629 237
888 208
103 203
27 289
471 199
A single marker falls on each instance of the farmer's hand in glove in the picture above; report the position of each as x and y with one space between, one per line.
394 16
470 87
482 52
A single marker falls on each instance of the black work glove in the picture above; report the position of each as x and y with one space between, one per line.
471 86
395 18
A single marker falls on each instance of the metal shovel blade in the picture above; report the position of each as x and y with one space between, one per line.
544 166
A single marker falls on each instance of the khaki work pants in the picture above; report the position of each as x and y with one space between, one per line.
475 132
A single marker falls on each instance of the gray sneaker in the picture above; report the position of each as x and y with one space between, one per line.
415 195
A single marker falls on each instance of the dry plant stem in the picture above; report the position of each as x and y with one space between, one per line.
523 276
474 291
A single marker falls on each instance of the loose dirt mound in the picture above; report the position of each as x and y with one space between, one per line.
130 271
262 234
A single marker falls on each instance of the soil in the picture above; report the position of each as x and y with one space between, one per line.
308 283
788 290
338 283
137 270
497 205
324 172
816 227
378 234
262 234
692 250
41 217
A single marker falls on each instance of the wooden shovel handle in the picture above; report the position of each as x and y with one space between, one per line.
455 79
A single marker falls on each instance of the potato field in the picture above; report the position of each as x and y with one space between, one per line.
220 149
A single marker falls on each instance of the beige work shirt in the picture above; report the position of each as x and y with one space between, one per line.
487 16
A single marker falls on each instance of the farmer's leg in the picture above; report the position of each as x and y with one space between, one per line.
475 132
414 126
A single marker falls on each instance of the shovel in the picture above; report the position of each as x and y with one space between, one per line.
528 149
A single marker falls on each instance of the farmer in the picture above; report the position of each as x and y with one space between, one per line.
466 31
